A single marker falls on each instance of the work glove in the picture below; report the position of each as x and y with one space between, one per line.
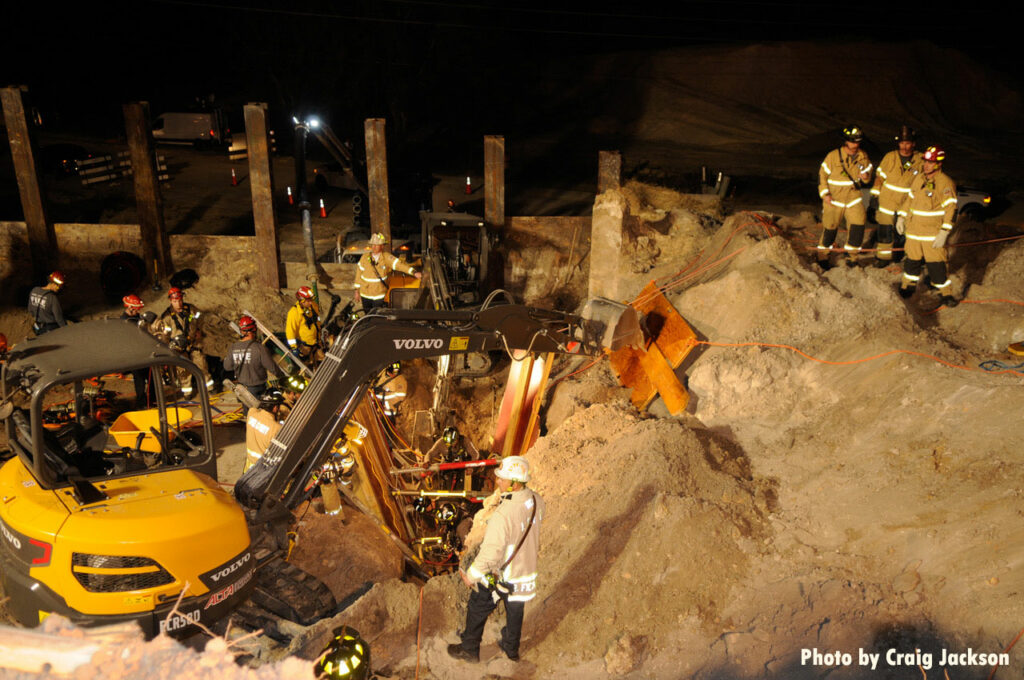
901 225
940 240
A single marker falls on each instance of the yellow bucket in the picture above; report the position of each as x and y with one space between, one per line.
130 424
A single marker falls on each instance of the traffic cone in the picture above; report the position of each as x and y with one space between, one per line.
323 210
234 180
469 186
291 201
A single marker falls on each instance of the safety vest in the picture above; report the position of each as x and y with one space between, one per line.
892 183
839 174
929 206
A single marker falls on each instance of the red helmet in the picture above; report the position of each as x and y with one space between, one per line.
304 293
936 154
133 301
57 276
3 343
175 294
247 324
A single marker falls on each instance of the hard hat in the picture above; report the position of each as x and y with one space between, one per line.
346 657
378 239
246 324
148 317
57 276
935 154
175 294
514 468
271 398
179 342
3 343
853 133
297 383
133 301
450 435
304 293
394 368
906 134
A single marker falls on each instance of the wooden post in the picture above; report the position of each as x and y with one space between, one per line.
42 239
609 171
261 182
156 247
494 181
377 177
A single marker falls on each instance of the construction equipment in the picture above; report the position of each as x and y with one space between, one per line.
105 536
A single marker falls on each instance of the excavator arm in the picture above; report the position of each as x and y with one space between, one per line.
275 485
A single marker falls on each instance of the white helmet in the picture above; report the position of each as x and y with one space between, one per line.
378 239
514 468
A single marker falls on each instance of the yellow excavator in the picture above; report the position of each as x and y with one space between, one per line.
106 522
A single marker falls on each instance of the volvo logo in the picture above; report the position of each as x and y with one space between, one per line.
419 343
10 536
231 568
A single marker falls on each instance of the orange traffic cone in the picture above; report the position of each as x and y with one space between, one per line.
323 210
469 186
291 201
234 180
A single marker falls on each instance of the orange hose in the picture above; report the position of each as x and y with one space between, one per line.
1006 651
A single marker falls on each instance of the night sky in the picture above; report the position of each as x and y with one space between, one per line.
357 59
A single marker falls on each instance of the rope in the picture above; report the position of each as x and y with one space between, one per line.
1006 651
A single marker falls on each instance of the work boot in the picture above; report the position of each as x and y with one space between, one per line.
457 651
852 262
906 292
825 265
949 301
511 656
882 264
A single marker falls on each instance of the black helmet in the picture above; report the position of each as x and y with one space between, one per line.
853 133
179 342
450 436
271 398
906 134
347 657
394 369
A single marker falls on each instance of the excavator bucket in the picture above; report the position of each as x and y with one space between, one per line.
616 324
650 369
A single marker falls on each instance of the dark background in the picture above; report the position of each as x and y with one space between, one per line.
441 73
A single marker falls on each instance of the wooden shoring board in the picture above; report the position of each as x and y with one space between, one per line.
652 371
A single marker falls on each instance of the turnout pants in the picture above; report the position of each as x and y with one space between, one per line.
831 217
481 603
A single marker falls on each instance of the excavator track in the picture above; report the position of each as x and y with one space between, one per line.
283 591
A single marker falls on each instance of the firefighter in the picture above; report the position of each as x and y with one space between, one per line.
892 183
179 326
44 306
375 267
926 216
841 175
262 425
251 360
391 388
452 447
346 657
133 314
302 327
3 348
505 569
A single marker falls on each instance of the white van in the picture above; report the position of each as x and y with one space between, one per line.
201 128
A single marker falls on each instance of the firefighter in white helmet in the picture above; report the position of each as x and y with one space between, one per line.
372 274
505 569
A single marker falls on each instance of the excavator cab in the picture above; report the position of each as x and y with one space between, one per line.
110 510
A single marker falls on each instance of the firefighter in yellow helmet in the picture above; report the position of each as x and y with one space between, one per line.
895 173
928 212
372 274
840 178
347 657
